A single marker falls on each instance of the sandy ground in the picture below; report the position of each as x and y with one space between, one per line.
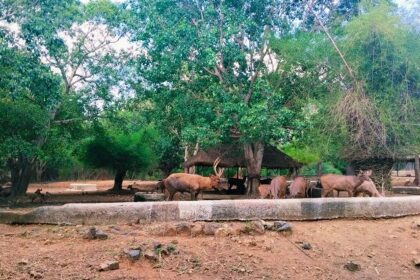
383 248
101 185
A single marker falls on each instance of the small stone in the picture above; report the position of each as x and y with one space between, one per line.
282 226
415 225
35 274
23 262
174 241
306 246
150 255
267 225
197 229
109 265
133 254
352 266
183 228
252 243
210 228
416 262
101 235
222 232
90 233
258 227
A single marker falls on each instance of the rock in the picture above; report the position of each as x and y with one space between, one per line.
282 226
197 229
35 274
93 233
222 232
151 255
141 197
23 262
183 228
252 243
109 265
258 227
210 228
133 254
90 233
352 266
415 225
306 246
267 225
416 262
101 235
169 230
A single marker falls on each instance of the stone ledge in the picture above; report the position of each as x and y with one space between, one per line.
217 210
407 190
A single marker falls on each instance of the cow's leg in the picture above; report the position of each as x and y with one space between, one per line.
350 192
326 192
171 196
193 195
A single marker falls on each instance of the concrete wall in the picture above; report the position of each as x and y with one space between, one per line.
218 210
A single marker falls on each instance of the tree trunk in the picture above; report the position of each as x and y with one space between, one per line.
417 170
21 171
39 169
253 155
119 178
319 169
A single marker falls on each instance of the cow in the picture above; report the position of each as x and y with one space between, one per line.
298 188
278 187
331 182
192 183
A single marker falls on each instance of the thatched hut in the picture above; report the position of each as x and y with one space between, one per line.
232 155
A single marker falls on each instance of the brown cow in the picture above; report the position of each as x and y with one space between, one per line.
264 191
278 187
369 188
298 188
349 184
192 183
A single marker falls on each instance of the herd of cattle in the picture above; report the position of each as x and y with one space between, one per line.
279 187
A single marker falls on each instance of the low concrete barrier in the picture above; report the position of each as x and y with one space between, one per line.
218 210
407 190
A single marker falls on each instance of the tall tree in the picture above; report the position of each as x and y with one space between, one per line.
73 40
121 151
213 59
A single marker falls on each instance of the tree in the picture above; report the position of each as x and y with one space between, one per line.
120 151
73 40
371 118
27 90
211 61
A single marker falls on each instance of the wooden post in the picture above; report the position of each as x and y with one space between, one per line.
417 170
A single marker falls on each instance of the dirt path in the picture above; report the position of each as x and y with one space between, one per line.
383 248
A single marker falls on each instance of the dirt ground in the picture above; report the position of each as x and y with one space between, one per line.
384 249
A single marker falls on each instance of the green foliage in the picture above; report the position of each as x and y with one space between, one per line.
326 167
118 150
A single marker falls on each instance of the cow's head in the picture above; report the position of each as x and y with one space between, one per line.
365 175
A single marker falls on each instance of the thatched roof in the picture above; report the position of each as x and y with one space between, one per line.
232 155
